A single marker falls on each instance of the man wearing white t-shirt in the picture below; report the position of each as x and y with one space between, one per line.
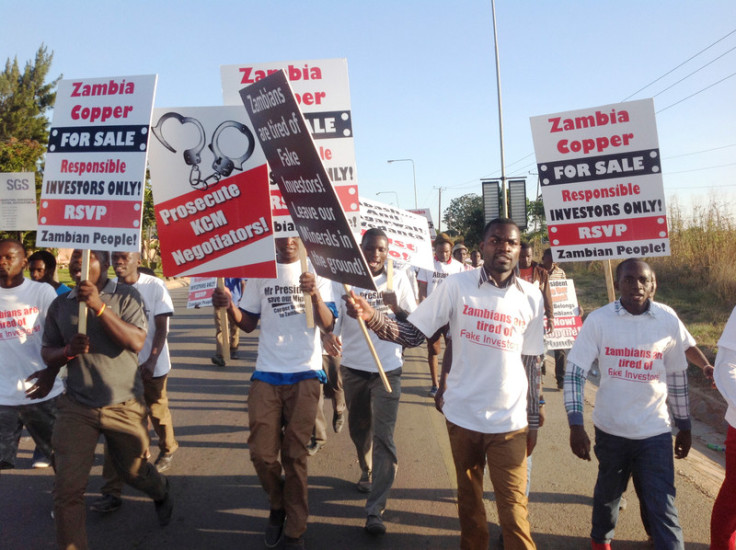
155 365
489 399
23 306
427 281
372 411
285 387
641 355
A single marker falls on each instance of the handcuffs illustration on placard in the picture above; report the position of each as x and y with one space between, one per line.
223 165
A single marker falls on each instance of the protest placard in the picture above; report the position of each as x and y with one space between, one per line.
322 91
211 194
601 177
409 241
303 181
93 180
567 322
18 201
200 291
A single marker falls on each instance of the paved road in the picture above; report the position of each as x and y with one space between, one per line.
220 505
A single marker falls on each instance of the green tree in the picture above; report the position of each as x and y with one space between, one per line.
25 98
464 217
537 220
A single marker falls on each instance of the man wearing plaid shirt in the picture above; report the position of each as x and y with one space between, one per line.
641 355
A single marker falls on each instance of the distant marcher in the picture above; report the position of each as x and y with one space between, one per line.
723 520
155 365
24 305
104 393
428 281
285 387
235 286
489 397
476 258
42 268
641 356
460 253
556 273
372 411
534 273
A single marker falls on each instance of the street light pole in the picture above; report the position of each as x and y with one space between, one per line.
500 114
414 173
390 192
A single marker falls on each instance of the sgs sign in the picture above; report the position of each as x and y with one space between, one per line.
17 184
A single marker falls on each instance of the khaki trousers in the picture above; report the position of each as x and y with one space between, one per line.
157 401
76 432
281 420
505 455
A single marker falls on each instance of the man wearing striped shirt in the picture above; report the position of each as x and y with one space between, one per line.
641 355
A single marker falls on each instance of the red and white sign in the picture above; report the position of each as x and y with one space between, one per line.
18 201
92 190
601 177
567 315
200 291
409 241
322 91
211 194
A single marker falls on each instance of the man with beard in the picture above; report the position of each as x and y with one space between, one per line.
489 399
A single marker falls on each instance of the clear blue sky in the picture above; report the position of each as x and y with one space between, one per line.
422 73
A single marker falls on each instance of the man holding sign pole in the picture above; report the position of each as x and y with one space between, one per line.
104 393
285 387
372 411
489 399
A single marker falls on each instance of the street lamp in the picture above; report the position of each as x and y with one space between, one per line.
414 173
390 192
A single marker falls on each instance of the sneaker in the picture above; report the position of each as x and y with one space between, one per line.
433 391
40 460
374 525
338 421
218 360
275 528
314 447
106 504
294 544
165 507
234 353
163 462
364 483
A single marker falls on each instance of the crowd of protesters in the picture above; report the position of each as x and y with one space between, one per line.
492 307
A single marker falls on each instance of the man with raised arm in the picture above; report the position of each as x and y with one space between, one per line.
285 387
489 399
104 393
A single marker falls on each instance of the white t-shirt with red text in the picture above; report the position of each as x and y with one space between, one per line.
442 270
22 316
635 353
491 328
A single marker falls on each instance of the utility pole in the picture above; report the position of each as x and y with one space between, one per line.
439 210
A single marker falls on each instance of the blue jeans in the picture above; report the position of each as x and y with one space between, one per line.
651 463
37 416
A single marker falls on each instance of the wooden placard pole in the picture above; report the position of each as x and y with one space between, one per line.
609 280
82 325
389 275
308 309
224 325
368 340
